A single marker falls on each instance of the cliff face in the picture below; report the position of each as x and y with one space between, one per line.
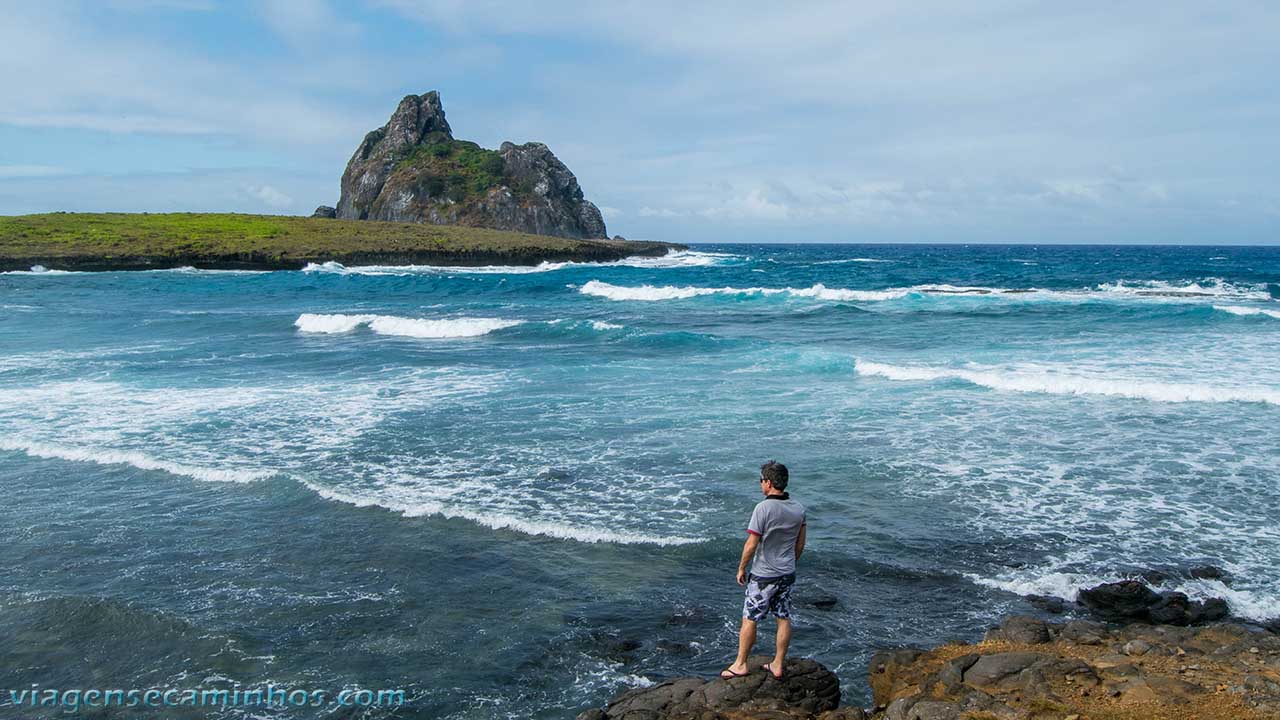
413 170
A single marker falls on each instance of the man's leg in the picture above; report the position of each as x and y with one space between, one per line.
784 639
746 640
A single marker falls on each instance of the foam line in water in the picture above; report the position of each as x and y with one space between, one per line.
402 326
500 521
1248 311
1250 604
1207 288
1057 383
41 270
106 456
1149 291
673 259
650 293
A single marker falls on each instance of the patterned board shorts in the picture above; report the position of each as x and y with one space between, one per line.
774 597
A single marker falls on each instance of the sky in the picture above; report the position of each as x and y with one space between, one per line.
991 121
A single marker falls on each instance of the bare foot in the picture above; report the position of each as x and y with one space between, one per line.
769 667
735 670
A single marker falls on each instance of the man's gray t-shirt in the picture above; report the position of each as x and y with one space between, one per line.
778 524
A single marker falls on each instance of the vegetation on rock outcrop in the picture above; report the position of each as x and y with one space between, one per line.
121 241
413 170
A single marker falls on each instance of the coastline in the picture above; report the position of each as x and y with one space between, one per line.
1024 669
228 241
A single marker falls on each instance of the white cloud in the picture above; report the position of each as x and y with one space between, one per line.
647 211
195 191
306 24
753 205
269 196
711 115
610 213
62 73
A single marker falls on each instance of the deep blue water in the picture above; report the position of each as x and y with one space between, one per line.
513 492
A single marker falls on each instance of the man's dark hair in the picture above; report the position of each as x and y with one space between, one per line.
776 473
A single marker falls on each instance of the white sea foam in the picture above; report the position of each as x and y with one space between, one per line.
601 325
41 270
498 520
1208 288
1247 311
650 293
1251 604
190 270
1152 291
1064 383
107 456
336 268
673 259
402 326
852 260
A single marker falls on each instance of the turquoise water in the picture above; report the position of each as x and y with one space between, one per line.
513 492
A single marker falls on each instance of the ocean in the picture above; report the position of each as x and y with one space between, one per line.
512 492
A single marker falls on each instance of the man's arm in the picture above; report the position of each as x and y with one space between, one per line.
800 541
748 550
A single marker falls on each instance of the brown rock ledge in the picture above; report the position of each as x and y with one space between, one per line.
1026 669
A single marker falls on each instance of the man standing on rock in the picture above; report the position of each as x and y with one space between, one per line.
775 539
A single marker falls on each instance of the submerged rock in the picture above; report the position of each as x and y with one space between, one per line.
1133 600
1124 600
413 170
1210 572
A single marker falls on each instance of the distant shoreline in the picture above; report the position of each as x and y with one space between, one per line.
231 241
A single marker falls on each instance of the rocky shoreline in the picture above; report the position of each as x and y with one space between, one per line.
1148 655
228 241
589 251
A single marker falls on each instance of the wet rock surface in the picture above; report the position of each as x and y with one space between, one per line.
806 691
1134 600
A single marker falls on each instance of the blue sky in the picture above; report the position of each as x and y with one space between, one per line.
991 121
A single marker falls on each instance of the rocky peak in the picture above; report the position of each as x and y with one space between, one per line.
413 170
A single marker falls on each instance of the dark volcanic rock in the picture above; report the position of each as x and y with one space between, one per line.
417 118
823 602
413 170
806 690
1124 600
1210 572
326 212
1048 603
1133 600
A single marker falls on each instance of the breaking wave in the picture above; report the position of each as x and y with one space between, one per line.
402 326
1065 584
652 293
1122 291
674 259
1248 311
107 456
852 260
41 270
1205 289
501 520
1057 383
